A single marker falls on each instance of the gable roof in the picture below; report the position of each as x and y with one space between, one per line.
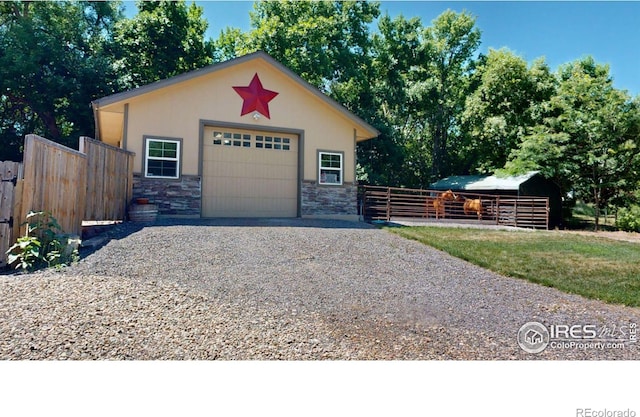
483 182
126 95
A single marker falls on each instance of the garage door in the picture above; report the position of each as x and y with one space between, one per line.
249 174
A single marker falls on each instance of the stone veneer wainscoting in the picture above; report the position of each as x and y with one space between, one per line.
179 197
183 197
323 200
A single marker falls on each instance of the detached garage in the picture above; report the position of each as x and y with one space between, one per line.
243 138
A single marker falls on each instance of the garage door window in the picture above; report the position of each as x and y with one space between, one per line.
330 166
162 158
245 140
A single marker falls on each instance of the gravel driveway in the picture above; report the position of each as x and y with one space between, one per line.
282 289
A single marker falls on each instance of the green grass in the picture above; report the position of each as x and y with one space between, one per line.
593 267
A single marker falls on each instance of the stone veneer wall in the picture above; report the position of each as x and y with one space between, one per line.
328 199
173 197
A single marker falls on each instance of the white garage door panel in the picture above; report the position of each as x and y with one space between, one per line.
259 180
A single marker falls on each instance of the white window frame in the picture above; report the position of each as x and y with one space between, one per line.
147 142
339 171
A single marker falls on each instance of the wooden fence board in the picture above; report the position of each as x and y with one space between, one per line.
9 174
109 180
95 183
6 212
54 179
383 203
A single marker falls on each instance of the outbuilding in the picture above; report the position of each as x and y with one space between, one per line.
242 138
531 184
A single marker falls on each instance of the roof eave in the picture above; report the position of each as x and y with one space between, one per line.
148 88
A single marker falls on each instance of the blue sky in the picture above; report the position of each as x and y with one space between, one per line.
559 31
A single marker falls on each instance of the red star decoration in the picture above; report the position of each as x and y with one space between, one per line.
255 97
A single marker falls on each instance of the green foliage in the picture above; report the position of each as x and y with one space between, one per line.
394 157
587 139
44 244
53 62
25 253
441 84
164 39
325 42
629 219
502 108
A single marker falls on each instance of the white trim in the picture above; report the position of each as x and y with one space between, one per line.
148 140
339 171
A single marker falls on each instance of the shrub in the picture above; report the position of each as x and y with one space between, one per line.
43 245
629 219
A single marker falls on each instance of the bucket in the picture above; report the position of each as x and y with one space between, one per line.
143 212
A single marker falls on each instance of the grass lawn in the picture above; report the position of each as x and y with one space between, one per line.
594 267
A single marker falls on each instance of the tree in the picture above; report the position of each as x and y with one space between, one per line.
394 50
588 141
52 64
164 39
441 83
503 107
322 41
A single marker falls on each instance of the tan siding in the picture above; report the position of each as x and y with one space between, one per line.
175 111
112 125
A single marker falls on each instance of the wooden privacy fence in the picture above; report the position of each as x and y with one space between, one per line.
385 203
94 183
109 180
54 180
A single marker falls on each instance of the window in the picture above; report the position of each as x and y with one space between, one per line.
244 140
330 167
162 158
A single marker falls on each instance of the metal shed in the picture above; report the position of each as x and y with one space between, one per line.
531 184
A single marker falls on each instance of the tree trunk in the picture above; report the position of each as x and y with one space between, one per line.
436 165
439 145
596 200
49 120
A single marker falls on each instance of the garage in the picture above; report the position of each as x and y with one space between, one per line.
248 173
245 137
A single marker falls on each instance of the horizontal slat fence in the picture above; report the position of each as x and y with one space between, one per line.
385 203
109 180
524 212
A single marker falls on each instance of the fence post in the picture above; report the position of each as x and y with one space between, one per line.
363 206
546 204
388 203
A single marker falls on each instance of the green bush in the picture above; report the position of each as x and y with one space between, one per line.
629 219
43 245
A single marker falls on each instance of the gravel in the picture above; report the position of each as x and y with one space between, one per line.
282 289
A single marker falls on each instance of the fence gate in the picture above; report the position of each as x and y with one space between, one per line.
9 174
